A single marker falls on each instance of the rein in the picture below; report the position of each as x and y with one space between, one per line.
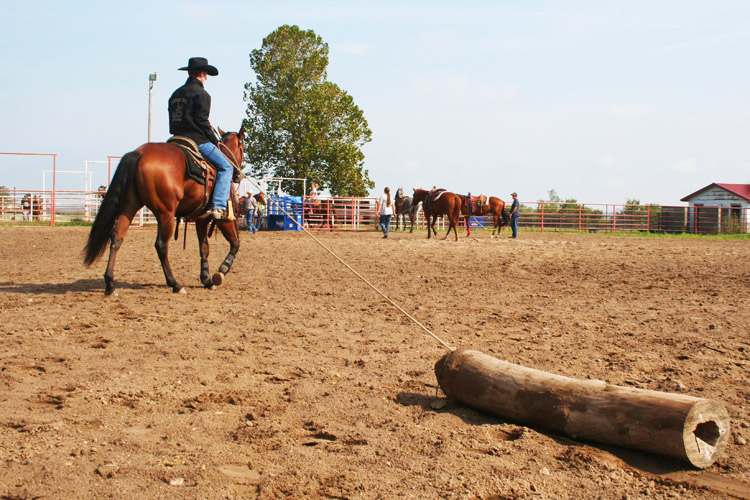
230 156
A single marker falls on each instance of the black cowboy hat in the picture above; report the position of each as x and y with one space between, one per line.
200 64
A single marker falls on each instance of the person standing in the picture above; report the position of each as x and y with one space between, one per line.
385 209
514 214
189 108
26 206
259 223
251 209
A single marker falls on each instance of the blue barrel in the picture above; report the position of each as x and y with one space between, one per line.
284 220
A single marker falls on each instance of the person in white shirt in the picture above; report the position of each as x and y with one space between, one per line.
385 209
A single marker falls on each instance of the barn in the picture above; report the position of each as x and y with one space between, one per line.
719 208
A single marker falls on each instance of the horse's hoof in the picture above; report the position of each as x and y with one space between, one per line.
180 289
217 279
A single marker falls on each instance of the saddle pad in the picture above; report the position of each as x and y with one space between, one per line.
197 168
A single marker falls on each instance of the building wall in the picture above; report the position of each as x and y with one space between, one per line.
718 197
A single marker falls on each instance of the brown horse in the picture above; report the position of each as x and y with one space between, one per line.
154 175
493 206
36 207
434 204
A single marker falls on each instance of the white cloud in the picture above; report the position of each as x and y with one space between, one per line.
607 161
352 48
617 183
629 109
454 86
684 166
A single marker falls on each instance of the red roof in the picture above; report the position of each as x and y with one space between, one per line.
741 190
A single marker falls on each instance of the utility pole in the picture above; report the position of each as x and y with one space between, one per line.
151 80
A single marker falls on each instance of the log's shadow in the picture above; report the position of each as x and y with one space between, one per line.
83 285
646 462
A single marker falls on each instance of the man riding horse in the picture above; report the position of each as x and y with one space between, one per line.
189 108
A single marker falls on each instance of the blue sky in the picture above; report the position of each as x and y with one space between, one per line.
601 101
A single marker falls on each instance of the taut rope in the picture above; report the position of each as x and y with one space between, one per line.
350 268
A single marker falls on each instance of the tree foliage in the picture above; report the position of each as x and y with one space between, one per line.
299 124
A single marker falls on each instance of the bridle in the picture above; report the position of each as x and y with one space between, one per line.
231 157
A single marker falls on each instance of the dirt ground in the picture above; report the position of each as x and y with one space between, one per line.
295 380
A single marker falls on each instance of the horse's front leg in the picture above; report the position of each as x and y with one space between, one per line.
230 233
163 235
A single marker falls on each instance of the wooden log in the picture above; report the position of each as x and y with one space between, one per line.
688 428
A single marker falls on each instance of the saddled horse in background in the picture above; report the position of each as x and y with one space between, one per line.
404 206
481 207
155 175
434 204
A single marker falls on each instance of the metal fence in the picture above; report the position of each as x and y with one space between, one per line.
358 214
549 216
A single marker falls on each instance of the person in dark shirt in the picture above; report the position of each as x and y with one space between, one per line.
189 108
514 214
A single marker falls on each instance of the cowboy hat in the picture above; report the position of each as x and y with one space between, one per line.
514 193
200 64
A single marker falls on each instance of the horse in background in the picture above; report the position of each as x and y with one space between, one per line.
436 203
479 206
36 207
404 206
155 175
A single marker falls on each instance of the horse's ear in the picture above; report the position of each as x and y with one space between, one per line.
221 132
241 132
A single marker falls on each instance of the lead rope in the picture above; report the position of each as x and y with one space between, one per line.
388 299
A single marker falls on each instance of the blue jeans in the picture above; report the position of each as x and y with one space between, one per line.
385 224
514 224
250 219
223 174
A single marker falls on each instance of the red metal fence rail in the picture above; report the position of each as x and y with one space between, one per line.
358 214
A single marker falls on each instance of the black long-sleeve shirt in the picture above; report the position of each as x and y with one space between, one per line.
189 108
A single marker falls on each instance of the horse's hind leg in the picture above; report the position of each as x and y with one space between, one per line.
122 224
163 235
496 218
115 242
201 229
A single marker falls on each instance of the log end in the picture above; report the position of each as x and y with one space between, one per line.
705 433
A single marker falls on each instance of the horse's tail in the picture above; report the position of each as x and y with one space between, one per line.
506 217
105 219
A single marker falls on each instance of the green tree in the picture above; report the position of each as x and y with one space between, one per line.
299 124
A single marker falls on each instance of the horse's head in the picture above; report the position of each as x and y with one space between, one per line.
233 141
419 195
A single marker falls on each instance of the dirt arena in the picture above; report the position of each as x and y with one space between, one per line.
295 380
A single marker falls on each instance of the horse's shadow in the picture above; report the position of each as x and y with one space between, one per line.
640 460
82 285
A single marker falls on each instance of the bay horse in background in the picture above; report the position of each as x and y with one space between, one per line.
436 203
479 206
36 207
404 206
155 175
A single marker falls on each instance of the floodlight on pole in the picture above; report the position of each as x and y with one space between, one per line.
151 80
